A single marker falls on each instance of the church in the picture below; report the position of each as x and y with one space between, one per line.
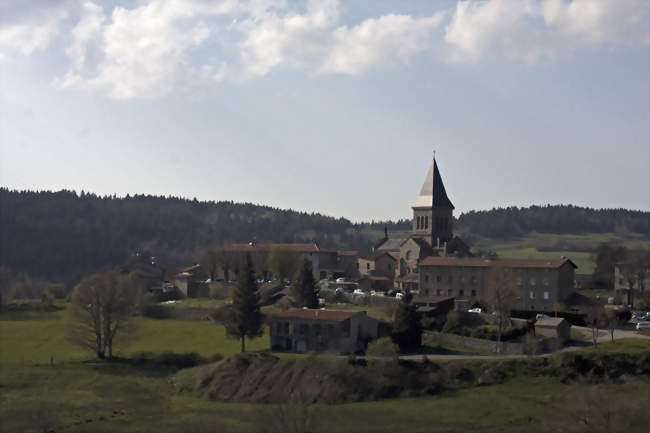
432 235
435 263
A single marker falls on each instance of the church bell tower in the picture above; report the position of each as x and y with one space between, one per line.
432 211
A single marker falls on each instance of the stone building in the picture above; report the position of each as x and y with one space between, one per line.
432 232
538 284
326 263
309 330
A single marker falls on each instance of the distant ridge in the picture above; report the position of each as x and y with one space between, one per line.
63 235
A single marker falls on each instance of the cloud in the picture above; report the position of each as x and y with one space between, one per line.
137 52
26 30
144 51
532 30
356 50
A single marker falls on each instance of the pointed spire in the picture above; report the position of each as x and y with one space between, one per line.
433 190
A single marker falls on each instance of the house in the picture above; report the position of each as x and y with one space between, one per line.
191 282
630 279
378 283
310 330
434 306
538 284
554 327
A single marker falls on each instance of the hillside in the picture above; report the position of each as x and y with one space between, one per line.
60 236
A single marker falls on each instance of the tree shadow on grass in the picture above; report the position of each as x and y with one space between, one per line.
147 364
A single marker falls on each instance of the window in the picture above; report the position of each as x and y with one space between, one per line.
532 281
473 292
462 278
368 266
520 282
532 295
545 295
546 281
408 255
438 292
473 279
426 278
449 292
316 329
450 278
390 266
461 292
438 278
426 222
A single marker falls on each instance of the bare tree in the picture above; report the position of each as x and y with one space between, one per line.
283 260
500 296
595 319
612 321
102 305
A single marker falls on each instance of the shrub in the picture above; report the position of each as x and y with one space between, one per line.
382 347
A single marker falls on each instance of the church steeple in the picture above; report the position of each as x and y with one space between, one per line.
432 210
433 191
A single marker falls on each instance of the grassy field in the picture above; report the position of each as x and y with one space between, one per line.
80 394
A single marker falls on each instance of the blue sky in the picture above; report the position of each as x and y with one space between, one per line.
330 106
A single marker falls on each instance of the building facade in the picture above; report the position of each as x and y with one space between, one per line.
309 330
537 284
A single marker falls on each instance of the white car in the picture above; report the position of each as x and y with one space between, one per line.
642 325
340 280
542 316
399 295
475 310
361 292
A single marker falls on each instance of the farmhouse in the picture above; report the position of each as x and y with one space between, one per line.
554 327
310 330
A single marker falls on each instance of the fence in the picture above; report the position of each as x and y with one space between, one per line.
506 347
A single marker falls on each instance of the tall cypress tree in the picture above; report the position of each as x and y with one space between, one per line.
305 292
246 319
407 330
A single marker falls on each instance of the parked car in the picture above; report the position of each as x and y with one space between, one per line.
391 293
642 325
399 295
340 280
361 292
475 310
542 316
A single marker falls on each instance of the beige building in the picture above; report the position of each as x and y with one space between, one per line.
309 330
538 284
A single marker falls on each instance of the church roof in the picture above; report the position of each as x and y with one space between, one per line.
433 190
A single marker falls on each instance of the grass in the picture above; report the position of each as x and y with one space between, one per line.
624 345
196 303
80 394
645 332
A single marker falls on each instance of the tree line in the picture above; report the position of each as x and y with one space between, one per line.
61 236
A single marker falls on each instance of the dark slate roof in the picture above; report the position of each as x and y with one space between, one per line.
475 262
390 245
433 191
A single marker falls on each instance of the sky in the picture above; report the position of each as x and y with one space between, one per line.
329 106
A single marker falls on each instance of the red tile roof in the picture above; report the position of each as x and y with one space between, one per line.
473 262
348 253
309 314
301 248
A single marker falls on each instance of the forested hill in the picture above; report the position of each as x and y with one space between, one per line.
61 236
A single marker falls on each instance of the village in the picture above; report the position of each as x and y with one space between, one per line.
487 303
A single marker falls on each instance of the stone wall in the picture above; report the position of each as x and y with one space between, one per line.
508 348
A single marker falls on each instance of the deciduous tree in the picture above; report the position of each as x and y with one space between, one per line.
283 260
102 306
500 296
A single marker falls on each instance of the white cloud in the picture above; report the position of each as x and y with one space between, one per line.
26 30
531 30
145 50
355 50
137 52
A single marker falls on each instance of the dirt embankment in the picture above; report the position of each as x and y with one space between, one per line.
264 378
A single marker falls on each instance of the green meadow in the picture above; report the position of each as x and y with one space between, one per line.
47 384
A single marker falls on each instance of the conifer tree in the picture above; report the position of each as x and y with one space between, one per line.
246 319
305 292
407 330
